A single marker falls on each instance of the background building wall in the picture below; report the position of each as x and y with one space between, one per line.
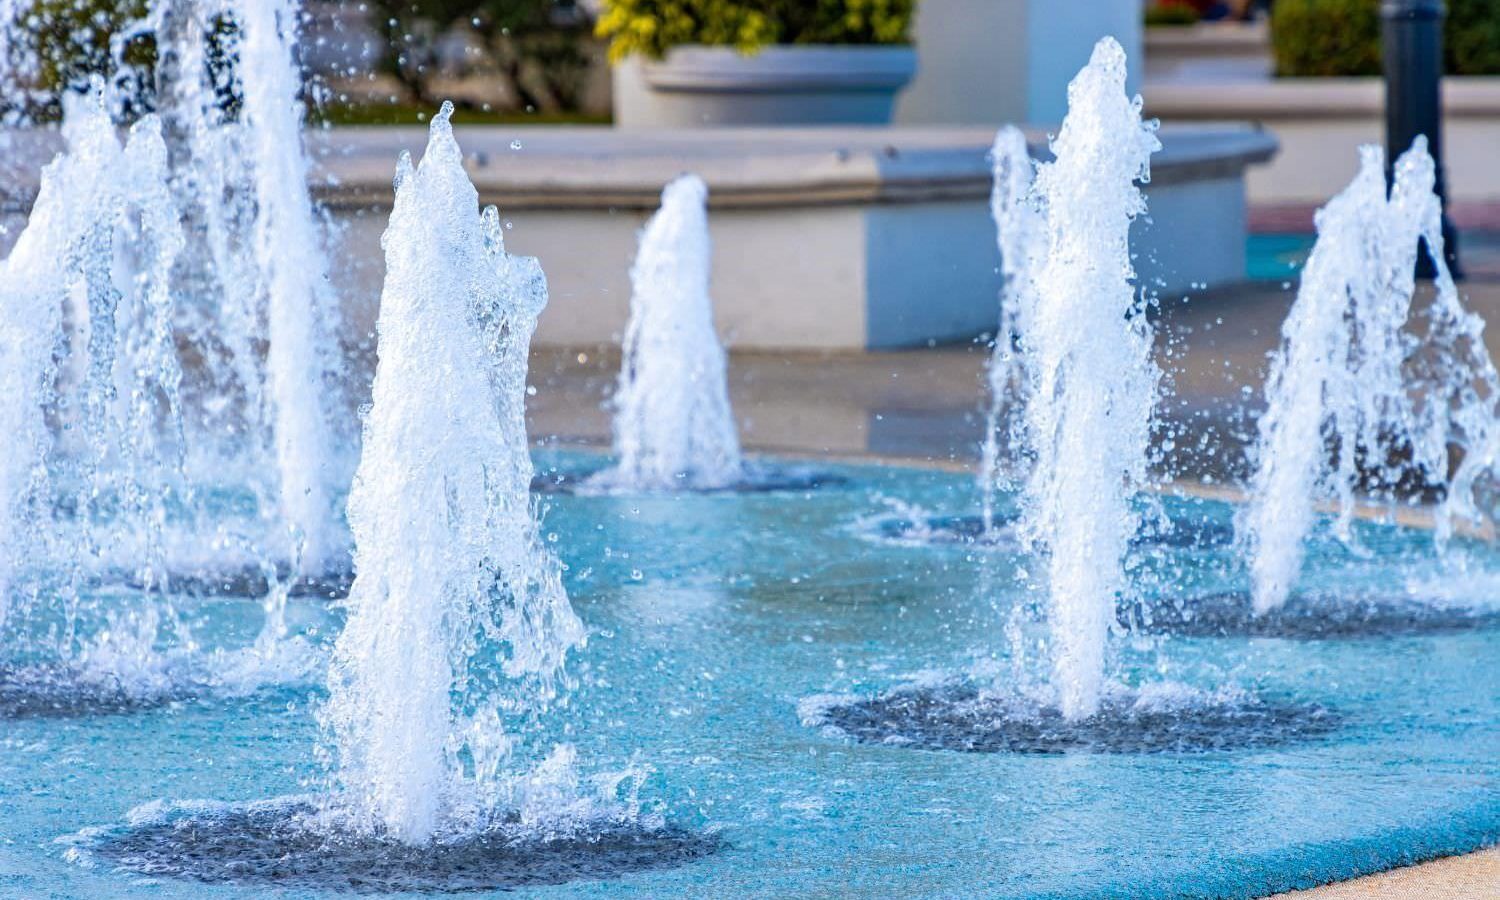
986 62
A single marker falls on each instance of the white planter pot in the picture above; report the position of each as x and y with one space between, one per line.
695 87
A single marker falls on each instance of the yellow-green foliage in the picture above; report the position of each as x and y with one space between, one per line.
652 27
1326 37
71 38
1342 37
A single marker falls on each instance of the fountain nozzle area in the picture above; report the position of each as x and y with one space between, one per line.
673 426
1363 371
283 844
1090 371
457 610
961 716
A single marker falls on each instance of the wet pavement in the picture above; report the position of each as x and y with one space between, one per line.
928 403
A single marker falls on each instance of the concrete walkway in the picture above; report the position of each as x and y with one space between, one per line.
1472 877
928 404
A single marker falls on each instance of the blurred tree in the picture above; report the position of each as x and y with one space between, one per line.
64 43
72 41
539 47
1342 37
1472 37
1172 12
1326 37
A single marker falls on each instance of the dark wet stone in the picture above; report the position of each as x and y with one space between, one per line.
950 530
958 717
252 582
45 692
1197 533
758 481
271 846
1306 616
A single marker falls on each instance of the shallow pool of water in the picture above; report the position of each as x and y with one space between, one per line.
717 621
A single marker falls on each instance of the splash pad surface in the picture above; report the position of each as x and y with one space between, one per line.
717 620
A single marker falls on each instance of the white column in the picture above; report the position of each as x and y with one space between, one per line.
994 61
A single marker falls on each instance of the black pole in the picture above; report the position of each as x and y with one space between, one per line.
1413 49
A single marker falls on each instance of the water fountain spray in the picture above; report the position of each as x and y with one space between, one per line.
1094 380
447 548
289 252
673 427
197 233
1354 395
87 312
1020 230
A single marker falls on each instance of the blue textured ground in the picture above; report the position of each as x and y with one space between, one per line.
713 617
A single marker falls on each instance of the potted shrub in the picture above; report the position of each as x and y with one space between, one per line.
1341 38
691 63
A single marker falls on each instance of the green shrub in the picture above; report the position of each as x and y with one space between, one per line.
1472 37
1326 37
62 44
1171 12
538 47
652 27
68 42
1342 37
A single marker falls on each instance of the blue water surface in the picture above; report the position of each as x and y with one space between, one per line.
713 617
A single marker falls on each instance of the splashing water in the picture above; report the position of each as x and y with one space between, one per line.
1021 234
255 308
288 249
198 234
224 290
673 428
1352 388
86 313
1093 377
447 548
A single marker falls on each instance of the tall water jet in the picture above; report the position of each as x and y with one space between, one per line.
1093 377
1020 230
1352 388
254 307
447 547
289 251
673 427
86 312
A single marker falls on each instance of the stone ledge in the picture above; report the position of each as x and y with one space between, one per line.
846 238
583 167
1309 98
1201 37
592 168
1320 122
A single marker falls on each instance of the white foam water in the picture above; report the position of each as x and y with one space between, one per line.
673 427
1021 230
289 251
1354 393
86 313
1094 380
448 556
249 297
